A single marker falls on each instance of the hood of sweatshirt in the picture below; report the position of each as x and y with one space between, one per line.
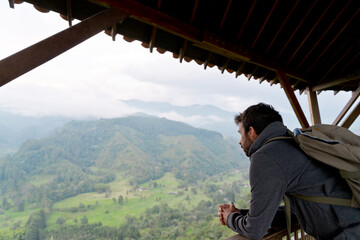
274 129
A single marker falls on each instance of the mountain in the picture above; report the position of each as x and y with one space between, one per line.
15 129
201 116
85 153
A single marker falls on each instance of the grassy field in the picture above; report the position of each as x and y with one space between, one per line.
106 209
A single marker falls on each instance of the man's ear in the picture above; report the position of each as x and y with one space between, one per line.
252 134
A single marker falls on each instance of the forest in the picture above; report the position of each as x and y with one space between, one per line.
126 178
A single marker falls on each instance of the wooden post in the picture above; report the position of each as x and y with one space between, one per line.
41 52
284 81
314 106
352 100
352 117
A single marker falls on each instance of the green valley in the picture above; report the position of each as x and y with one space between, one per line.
126 178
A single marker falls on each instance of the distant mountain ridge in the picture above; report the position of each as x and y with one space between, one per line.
200 116
15 129
85 153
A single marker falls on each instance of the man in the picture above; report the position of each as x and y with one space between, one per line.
278 168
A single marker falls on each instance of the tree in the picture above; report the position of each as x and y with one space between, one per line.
84 220
60 221
5 204
121 200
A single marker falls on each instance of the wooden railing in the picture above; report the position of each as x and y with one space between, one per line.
297 233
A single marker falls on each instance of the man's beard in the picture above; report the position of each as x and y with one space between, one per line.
246 147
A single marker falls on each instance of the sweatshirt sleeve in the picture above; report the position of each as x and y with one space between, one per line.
268 185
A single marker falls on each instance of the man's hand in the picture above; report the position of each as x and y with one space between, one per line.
224 211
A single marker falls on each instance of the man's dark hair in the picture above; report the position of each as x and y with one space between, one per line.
258 116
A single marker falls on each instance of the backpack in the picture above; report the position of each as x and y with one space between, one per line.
335 146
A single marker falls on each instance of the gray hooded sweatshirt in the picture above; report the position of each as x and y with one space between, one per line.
280 167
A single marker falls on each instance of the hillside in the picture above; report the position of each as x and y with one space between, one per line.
85 153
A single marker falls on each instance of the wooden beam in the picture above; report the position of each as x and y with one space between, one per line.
209 41
349 104
353 76
352 117
284 81
41 52
314 106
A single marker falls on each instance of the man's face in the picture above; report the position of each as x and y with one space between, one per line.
245 141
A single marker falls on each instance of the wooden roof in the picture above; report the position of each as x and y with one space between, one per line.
315 43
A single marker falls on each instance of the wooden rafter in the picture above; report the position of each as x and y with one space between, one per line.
284 81
200 38
152 39
253 72
183 50
347 107
247 19
225 15
223 68
310 32
335 64
337 81
333 40
194 11
11 3
207 61
296 29
281 27
41 52
69 12
114 31
239 71
265 22
352 117
349 62
324 33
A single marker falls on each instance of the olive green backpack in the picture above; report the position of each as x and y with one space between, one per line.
335 146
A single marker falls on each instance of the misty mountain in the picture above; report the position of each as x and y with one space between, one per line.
201 116
85 153
15 129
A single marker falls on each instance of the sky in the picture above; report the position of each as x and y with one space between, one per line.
92 79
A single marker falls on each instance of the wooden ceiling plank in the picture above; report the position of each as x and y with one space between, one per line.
45 50
310 32
349 63
313 106
194 11
156 18
297 28
225 15
212 42
152 39
200 38
284 81
281 27
335 64
247 19
159 4
352 117
333 40
265 22
324 33
347 107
